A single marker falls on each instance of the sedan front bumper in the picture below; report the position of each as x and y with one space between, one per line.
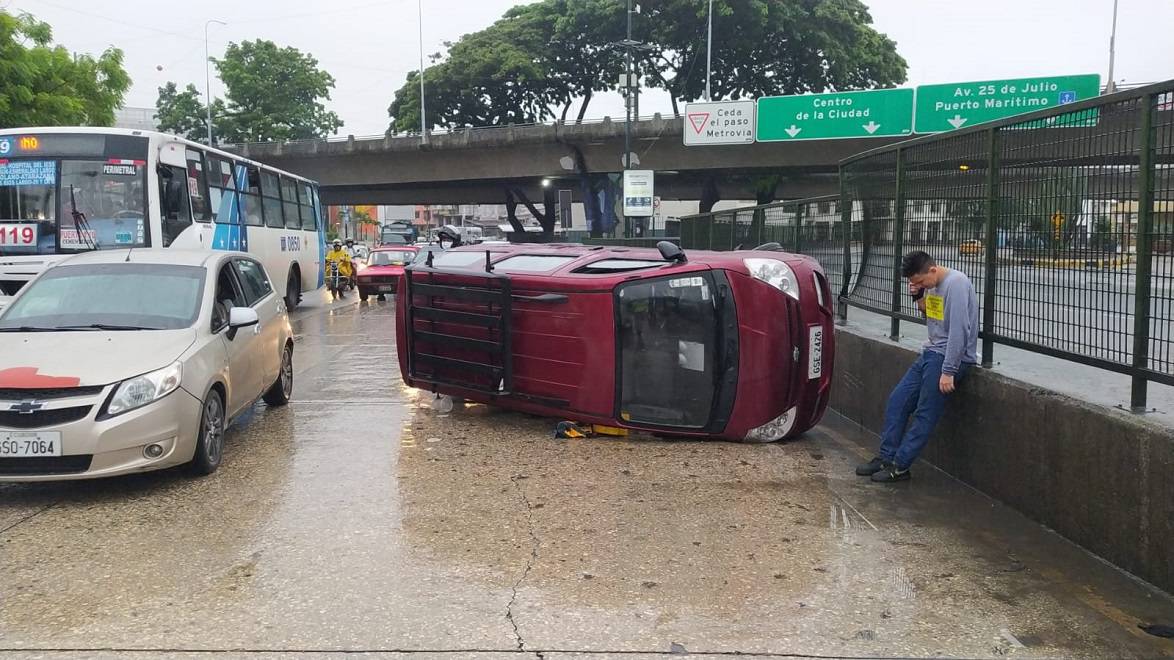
113 446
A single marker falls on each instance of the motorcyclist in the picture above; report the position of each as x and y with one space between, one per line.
345 264
350 248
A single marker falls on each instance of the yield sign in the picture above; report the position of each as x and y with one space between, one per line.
698 120
721 122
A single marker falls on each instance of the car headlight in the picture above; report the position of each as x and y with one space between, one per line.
775 429
141 390
775 273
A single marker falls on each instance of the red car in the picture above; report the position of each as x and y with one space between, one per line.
733 345
380 273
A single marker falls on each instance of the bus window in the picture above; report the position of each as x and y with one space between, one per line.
175 210
271 199
220 189
289 195
305 197
251 200
102 205
197 183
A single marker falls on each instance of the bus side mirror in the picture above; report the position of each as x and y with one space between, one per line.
671 252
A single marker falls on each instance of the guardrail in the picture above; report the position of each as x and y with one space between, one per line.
1062 218
448 131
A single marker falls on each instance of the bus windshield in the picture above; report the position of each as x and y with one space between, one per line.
61 206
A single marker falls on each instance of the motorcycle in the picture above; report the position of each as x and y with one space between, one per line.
336 281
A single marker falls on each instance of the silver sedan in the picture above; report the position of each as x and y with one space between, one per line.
120 362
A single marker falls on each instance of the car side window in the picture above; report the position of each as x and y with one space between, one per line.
253 280
228 295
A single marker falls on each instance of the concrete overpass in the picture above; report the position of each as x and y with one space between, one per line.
475 165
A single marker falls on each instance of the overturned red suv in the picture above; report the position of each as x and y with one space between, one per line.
732 345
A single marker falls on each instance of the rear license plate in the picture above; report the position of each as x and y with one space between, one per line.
814 352
385 288
19 444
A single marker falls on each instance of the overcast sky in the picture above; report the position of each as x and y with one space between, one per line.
370 46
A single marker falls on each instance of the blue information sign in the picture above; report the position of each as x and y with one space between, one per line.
28 173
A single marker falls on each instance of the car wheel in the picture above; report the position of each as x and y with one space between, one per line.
210 443
281 390
293 291
363 295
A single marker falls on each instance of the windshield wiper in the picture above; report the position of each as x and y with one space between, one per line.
28 328
103 326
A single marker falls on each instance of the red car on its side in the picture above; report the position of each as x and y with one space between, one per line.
380 272
734 345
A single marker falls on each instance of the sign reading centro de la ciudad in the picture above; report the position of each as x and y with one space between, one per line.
883 112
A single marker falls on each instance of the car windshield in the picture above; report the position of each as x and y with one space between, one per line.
109 296
391 258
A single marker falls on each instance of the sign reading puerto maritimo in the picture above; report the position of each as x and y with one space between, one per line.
954 105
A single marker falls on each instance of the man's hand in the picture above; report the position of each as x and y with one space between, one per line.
946 384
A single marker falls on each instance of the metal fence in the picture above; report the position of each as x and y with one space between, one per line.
812 226
1062 218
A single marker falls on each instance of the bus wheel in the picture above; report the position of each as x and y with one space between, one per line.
293 291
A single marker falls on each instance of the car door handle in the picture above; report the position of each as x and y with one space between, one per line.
548 298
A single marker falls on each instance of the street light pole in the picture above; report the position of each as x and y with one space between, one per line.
208 76
1111 86
709 54
423 120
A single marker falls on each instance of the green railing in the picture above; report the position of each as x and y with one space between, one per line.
1062 218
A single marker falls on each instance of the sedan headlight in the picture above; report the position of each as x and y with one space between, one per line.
775 429
141 390
775 273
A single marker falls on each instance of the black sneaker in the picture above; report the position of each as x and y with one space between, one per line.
891 473
872 467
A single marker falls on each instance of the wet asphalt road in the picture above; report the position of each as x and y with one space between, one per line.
359 520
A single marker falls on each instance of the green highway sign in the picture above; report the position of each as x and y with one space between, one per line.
951 106
874 113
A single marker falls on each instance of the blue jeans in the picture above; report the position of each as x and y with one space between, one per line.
917 394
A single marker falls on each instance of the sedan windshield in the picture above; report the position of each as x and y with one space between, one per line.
391 258
122 296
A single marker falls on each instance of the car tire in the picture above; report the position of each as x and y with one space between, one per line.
363 294
293 291
281 390
210 442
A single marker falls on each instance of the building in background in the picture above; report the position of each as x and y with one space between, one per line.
138 119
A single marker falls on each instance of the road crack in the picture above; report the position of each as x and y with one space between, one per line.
509 608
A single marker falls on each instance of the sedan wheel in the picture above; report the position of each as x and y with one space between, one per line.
210 444
281 390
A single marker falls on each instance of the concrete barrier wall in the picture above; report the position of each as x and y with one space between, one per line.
1102 478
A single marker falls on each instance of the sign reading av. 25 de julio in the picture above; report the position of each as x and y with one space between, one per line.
728 122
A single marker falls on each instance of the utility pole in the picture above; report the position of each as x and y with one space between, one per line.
208 77
709 54
1110 85
628 95
423 121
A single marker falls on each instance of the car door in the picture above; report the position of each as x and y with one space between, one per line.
261 297
241 346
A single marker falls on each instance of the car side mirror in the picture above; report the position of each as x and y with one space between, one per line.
241 317
670 251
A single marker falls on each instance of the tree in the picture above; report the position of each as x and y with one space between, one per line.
45 85
274 94
182 113
539 59
768 48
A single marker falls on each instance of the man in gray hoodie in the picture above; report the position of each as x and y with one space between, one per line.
949 303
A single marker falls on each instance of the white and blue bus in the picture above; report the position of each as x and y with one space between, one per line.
70 190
